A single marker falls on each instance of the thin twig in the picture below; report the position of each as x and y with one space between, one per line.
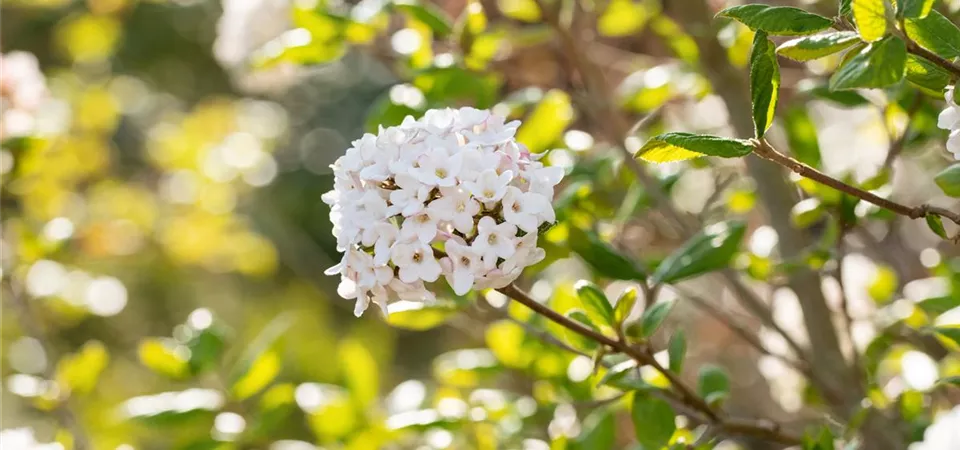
762 429
31 327
764 150
897 146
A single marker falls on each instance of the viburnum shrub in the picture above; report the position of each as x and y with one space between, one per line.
451 194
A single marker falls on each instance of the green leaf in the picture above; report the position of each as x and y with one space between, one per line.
654 316
260 373
845 8
713 384
926 75
598 431
764 83
954 380
260 364
677 350
935 306
439 22
936 225
575 339
802 136
871 18
522 10
949 180
777 20
916 8
618 371
654 421
420 316
806 212
677 146
625 304
594 301
935 33
710 249
164 356
879 65
546 124
813 47
949 333
603 258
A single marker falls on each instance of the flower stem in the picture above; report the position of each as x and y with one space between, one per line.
760 429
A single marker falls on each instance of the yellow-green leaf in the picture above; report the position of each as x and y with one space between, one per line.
813 47
261 372
360 372
871 18
764 83
547 122
80 371
164 357
670 147
879 65
935 33
419 316
522 10
623 18
505 339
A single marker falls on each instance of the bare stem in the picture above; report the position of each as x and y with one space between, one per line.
760 429
766 151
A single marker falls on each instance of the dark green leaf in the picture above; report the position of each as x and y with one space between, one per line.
950 333
625 304
708 250
713 384
598 432
617 372
879 65
936 225
949 180
845 8
777 20
654 316
430 15
871 18
575 339
935 306
677 350
813 47
915 8
602 257
653 420
680 146
842 98
764 83
594 301
935 33
926 75
802 136
954 380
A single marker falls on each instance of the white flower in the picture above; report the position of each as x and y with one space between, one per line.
489 186
949 119
416 262
23 439
457 207
462 265
943 434
523 209
494 240
455 180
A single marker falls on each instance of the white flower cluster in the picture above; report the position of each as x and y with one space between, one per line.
451 194
942 434
950 120
22 90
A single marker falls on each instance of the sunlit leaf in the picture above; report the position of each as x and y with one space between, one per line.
360 371
935 33
622 18
679 41
465 368
806 212
951 334
879 65
505 339
653 420
163 357
546 124
949 180
764 83
708 250
678 146
80 371
429 14
926 75
575 339
871 18
618 371
916 8
259 374
598 431
522 10
813 47
420 316
935 306
802 136
625 304
777 20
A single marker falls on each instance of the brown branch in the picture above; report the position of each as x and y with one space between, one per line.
764 150
686 395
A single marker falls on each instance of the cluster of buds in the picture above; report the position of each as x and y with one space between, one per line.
22 90
950 120
451 194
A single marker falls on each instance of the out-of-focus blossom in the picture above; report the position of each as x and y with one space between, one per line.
943 434
245 27
23 439
22 91
950 120
451 194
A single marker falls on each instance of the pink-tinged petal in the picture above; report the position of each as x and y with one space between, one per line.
462 281
409 274
361 305
430 270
